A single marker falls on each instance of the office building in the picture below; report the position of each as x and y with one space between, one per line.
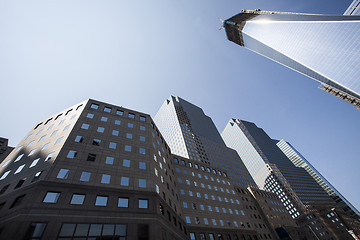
88 172
299 161
353 9
271 169
100 171
5 149
301 195
192 134
322 47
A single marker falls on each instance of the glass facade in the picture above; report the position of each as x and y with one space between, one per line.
299 161
323 47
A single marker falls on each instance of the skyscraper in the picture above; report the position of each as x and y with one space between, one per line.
271 169
100 171
322 47
299 161
192 134
353 9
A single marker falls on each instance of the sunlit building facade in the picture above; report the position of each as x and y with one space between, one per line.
322 47
271 169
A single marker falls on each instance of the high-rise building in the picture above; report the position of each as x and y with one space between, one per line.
100 171
322 47
271 169
299 161
192 134
353 9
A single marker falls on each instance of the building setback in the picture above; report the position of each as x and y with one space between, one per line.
322 47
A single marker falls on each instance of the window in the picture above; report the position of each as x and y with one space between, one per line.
142 151
127 148
126 163
104 119
94 106
5 174
19 157
101 201
187 218
130 125
131 115
79 139
57 141
142 165
107 109
77 199
32 152
91 157
63 174
143 203
142 128
105 178
192 236
19 169
142 183
143 118
85 126
66 127
90 115
109 160
20 183
117 122
49 156
123 202
53 133
96 142
51 197
37 176
42 138
185 205
119 112
85 176
112 145
124 181
100 129
35 231
129 135
72 154
115 133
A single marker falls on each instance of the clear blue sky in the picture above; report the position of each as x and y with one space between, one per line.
54 54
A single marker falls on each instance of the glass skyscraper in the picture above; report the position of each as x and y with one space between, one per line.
192 134
272 170
299 161
353 9
323 47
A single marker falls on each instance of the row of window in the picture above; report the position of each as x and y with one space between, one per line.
210 187
196 166
205 176
117 112
105 178
102 201
220 236
21 167
206 196
58 116
210 208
